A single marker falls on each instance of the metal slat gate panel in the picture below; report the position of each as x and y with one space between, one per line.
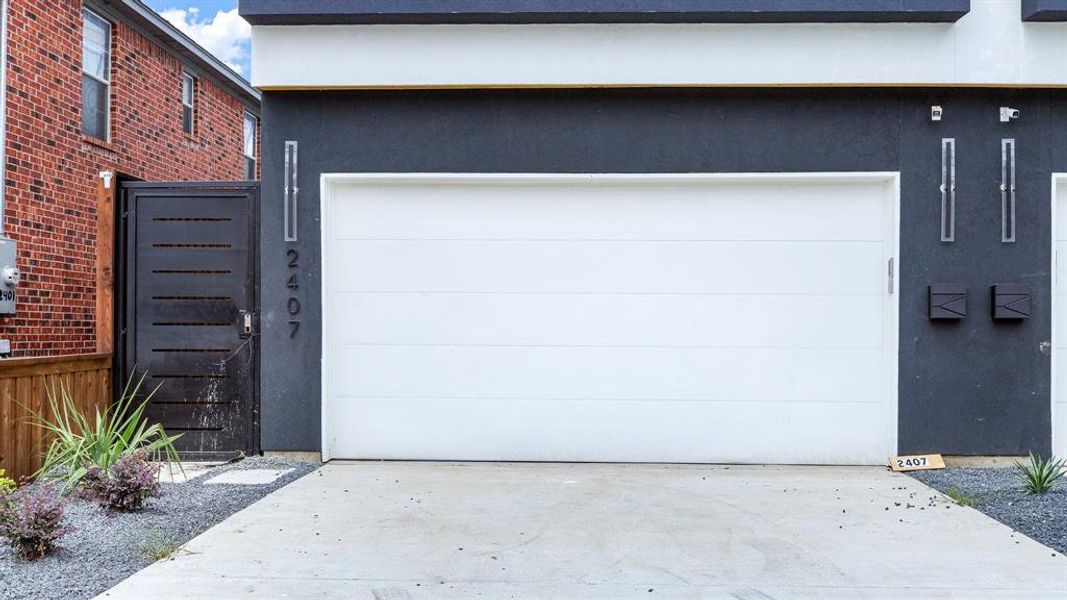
188 278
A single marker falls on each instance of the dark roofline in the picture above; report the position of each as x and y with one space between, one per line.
372 12
1044 10
141 16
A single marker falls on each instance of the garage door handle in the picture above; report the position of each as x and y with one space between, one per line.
890 276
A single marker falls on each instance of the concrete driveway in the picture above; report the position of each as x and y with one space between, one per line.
416 530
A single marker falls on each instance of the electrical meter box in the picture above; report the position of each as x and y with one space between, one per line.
9 276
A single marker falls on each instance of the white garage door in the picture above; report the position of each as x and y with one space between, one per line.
670 318
1059 318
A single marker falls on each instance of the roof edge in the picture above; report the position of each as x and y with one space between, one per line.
138 13
1044 10
429 12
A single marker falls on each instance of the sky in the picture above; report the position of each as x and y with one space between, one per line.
214 24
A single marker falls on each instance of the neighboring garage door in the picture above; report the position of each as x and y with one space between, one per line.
1059 316
660 318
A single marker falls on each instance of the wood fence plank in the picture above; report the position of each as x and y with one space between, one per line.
26 382
41 406
7 427
105 259
23 441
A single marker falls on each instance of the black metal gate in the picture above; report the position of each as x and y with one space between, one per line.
187 309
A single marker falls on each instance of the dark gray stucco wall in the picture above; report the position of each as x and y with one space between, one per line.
973 387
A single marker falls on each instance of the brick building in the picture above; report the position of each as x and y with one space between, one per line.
94 87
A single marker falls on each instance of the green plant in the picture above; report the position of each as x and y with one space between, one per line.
959 496
7 485
160 546
1040 475
80 443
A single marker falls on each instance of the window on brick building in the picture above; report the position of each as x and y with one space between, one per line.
188 102
96 74
251 126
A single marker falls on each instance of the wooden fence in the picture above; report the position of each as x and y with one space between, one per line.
24 382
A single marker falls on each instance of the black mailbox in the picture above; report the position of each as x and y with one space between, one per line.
948 301
1011 301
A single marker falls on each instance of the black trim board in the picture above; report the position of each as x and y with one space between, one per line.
337 12
1044 10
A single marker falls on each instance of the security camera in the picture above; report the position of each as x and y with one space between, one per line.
1008 114
935 113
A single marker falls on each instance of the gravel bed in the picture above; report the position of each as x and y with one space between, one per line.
997 492
105 550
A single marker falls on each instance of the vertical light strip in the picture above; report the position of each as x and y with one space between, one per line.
948 189
1007 190
292 190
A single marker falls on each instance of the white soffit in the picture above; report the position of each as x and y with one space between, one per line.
989 46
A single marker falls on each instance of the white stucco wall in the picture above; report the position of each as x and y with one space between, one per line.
989 46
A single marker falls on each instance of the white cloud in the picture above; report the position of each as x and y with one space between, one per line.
226 35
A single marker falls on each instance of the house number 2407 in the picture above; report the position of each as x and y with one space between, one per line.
293 286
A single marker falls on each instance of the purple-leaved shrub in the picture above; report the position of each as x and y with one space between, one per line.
125 487
31 520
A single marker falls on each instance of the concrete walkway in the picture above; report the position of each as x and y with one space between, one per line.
413 530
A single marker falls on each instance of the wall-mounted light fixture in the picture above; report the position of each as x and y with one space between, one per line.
1011 302
948 302
935 113
1007 190
1008 114
292 190
948 189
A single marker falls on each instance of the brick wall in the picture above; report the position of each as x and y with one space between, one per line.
52 169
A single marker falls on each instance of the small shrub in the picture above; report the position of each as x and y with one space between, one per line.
81 442
7 485
959 496
1040 475
125 486
31 519
160 546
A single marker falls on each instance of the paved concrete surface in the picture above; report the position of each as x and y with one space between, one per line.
186 471
389 531
248 477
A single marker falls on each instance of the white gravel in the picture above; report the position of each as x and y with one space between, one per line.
998 493
105 550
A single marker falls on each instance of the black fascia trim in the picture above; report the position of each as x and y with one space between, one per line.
429 12
1044 10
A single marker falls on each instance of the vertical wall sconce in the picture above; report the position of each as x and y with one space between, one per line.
948 189
1007 190
291 191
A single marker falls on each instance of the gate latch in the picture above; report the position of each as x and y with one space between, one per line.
246 321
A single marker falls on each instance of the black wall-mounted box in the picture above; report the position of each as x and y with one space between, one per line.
1011 301
948 301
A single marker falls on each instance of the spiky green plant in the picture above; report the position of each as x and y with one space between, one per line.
80 443
1040 475
160 545
959 496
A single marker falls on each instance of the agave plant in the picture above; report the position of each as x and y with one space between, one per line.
80 443
1040 475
